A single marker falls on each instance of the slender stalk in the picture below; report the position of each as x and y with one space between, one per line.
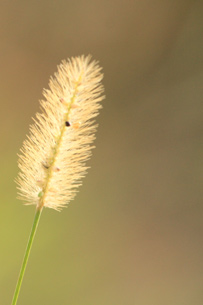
27 253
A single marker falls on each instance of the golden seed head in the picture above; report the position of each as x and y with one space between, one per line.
53 157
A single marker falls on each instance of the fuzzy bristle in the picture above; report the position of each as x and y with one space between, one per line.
53 157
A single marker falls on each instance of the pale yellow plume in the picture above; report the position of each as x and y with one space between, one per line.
53 156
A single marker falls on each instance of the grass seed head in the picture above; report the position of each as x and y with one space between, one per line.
53 157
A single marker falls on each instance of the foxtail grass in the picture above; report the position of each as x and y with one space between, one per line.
53 157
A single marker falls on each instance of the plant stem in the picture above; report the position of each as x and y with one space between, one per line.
27 253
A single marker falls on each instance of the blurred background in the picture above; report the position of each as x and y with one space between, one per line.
133 234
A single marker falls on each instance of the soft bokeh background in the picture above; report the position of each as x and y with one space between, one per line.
133 235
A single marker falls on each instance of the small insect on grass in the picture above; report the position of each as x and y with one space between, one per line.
67 124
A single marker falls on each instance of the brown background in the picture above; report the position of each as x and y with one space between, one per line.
133 235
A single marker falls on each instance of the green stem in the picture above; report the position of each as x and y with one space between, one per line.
27 252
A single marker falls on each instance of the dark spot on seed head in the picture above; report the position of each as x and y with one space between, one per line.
45 165
67 124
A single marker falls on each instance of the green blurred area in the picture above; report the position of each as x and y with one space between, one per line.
133 234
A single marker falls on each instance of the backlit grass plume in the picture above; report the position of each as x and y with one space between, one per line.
53 157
